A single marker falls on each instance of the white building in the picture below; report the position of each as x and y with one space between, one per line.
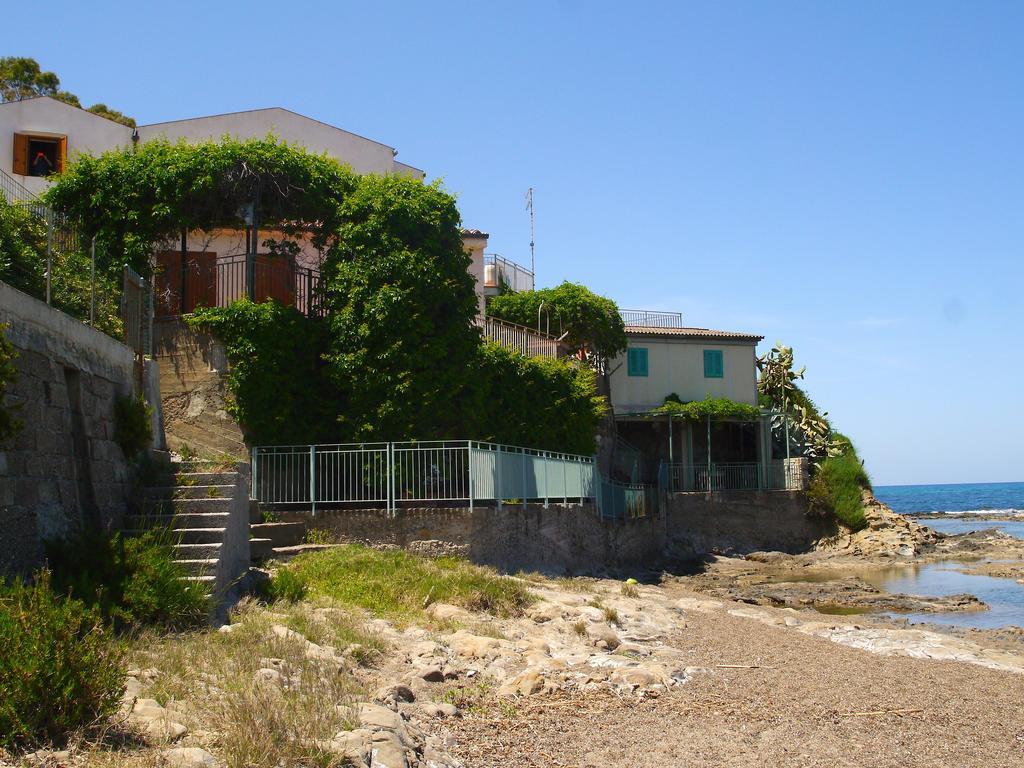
39 136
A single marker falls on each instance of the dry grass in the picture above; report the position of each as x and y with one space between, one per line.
209 680
630 590
577 584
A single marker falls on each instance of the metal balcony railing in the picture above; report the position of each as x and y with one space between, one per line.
500 272
651 318
526 341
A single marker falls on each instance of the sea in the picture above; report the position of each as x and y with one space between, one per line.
961 498
1005 597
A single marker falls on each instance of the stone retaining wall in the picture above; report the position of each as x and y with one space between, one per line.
63 468
740 522
559 540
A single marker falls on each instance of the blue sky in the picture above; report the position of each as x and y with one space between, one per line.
846 177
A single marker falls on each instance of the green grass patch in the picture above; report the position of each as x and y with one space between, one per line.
397 584
837 488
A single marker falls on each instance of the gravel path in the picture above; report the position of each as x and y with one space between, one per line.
797 709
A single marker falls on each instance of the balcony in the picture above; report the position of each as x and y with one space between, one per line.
648 318
502 274
523 340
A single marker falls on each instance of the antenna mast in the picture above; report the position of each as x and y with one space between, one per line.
529 207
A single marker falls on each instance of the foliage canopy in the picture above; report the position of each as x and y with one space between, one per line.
592 323
715 408
22 78
131 200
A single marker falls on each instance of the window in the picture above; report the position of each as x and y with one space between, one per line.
636 361
38 155
714 367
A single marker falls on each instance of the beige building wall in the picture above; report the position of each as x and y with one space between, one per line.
363 155
476 244
677 365
50 118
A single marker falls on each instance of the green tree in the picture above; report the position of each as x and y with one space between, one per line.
400 303
22 78
112 114
590 323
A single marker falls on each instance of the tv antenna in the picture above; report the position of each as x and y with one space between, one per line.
529 207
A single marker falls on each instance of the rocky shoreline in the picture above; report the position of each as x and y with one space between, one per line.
833 578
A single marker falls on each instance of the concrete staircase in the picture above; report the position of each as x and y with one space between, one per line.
275 540
205 506
193 393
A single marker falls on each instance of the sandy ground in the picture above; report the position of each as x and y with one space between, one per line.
808 702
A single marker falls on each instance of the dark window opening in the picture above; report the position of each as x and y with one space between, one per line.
43 157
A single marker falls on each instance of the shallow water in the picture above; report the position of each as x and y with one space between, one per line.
1005 597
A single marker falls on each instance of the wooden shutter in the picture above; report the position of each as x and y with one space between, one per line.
714 366
636 361
20 164
62 153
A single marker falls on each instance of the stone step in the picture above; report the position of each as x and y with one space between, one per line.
188 491
175 506
260 549
287 553
280 534
206 478
178 521
227 465
200 535
199 567
185 551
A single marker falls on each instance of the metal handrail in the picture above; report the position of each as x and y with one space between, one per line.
461 472
527 341
516 276
651 318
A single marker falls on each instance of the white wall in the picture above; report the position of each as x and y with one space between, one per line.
43 116
475 246
363 155
677 365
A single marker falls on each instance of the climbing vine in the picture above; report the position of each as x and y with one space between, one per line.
9 425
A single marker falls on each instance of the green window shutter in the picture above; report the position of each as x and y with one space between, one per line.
714 366
636 361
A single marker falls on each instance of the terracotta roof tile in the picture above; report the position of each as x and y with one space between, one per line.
690 333
474 233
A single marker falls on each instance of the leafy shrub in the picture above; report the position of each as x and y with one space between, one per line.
536 402
287 585
715 407
837 488
132 582
280 394
9 425
59 670
133 430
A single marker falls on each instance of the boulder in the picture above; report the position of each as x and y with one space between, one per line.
446 612
439 709
386 751
603 636
470 646
394 693
189 757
